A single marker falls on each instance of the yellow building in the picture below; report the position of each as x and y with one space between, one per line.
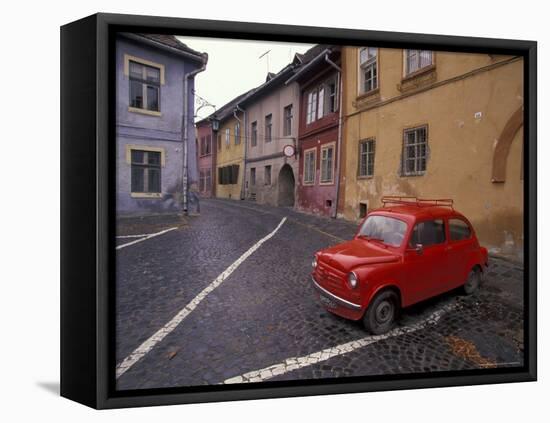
436 125
230 150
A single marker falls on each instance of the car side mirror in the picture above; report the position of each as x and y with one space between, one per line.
418 249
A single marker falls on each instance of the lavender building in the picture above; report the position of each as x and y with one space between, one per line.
154 124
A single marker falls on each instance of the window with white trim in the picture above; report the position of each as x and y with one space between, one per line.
227 137
311 106
415 150
309 167
205 179
416 60
237 134
322 100
368 69
287 123
327 164
366 157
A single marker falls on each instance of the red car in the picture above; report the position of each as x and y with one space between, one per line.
405 252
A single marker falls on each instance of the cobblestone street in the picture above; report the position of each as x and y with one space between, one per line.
195 320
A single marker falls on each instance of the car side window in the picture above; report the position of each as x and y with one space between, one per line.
459 230
429 232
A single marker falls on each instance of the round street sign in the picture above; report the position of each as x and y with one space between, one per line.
288 150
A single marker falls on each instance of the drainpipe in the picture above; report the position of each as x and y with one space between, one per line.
245 140
185 125
339 143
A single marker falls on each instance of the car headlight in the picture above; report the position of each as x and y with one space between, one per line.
353 280
314 262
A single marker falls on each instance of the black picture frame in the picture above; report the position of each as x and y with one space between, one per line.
87 209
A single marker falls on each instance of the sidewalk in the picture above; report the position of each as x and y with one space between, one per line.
137 225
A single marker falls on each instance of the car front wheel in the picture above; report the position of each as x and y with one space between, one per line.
381 313
473 281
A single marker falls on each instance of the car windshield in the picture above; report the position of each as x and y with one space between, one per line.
386 229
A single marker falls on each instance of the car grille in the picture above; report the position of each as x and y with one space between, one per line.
328 276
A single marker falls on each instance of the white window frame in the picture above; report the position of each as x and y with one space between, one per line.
325 148
369 151
417 54
319 98
288 112
417 159
237 133
321 101
370 63
227 137
311 152
311 106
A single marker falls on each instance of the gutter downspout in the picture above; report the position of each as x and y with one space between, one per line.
243 128
339 143
185 125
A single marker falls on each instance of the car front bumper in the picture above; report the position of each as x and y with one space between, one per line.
334 298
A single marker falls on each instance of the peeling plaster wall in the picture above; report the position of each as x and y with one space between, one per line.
230 155
464 118
313 198
273 103
154 131
206 162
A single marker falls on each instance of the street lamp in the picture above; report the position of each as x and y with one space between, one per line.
215 124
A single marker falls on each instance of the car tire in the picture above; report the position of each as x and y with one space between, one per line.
473 281
381 313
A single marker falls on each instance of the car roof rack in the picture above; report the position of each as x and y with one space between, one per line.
388 200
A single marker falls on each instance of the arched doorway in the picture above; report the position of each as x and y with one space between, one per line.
286 184
502 147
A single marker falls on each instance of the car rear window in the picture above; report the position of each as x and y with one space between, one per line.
458 230
429 232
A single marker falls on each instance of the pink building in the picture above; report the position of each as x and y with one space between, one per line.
206 158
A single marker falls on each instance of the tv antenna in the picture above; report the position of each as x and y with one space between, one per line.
266 54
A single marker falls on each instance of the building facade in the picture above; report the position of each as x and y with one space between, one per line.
271 115
436 125
319 133
150 111
206 158
230 150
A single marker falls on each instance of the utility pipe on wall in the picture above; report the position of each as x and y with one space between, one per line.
245 140
339 142
185 125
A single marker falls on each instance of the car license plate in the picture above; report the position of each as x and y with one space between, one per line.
327 302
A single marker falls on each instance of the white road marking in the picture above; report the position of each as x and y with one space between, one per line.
118 247
133 236
148 345
294 363
290 220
